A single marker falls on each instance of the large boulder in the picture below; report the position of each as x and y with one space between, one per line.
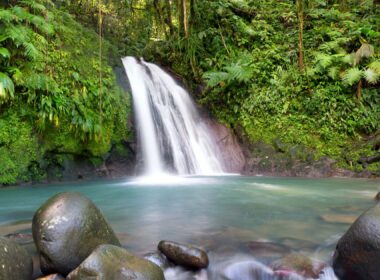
357 253
110 262
15 262
66 229
184 255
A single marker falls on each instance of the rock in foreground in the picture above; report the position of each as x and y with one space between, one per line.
357 253
110 262
15 262
185 255
66 229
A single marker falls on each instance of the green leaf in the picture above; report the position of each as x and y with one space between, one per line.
352 76
371 76
4 52
6 86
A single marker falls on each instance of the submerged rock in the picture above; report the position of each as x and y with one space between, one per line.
15 262
267 249
66 229
184 255
338 218
110 262
357 253
299 264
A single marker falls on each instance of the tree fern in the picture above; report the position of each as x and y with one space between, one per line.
352 76
371 76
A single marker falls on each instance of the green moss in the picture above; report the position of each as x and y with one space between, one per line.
18 149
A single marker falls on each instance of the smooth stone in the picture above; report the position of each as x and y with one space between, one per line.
158 259
357 253
110 262
184 255
66 229
339 219
52 277
299 264
15 262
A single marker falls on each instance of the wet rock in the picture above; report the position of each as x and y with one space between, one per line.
184 255
267 249
110 262
158 259
377 197
339 219
26 241
299 264
52 277
15 262
66 229
229 146
357 253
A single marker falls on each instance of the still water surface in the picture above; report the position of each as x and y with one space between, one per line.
261 217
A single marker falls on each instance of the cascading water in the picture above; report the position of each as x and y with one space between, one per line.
172 134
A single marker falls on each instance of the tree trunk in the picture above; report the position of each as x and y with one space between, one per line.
184 27
300 11
168 16
359 90
160 19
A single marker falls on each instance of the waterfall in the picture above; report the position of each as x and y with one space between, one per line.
171 132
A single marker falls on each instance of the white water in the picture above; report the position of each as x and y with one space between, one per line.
172 135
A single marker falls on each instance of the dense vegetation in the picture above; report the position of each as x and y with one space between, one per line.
306 73
58 94
299 73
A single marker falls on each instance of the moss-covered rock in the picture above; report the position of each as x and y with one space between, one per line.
66 229
109 262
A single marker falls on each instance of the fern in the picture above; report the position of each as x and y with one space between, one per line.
239 72
375 66
371 76
215 78
352 76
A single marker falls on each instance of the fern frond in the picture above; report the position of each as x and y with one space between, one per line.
352 76
333 72
371 76
6 16
34 5
324 60
375 66
215 78
239 72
